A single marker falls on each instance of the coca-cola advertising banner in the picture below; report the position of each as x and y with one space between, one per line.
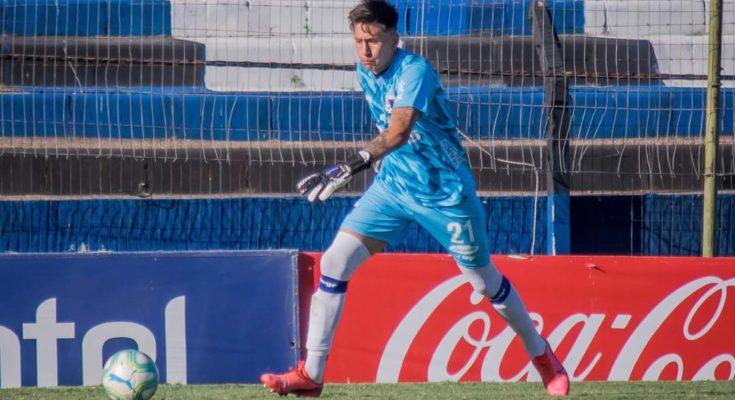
414 318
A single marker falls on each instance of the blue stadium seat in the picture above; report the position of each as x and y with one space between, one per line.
116 113
499 112
688 111
320 116
482 113
86 17
621 112
498 17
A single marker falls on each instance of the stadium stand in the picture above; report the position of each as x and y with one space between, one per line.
228 98
86 17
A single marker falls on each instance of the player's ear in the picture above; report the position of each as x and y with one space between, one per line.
396 39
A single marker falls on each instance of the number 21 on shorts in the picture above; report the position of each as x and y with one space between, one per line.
455 228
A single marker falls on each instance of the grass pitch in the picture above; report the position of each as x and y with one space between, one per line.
423 391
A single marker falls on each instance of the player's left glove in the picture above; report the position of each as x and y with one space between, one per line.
322 184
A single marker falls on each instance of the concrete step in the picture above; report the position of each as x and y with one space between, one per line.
683 54
641 19
78 61
242 57
336 49
237 79
644 18
259 18
268 18
674 54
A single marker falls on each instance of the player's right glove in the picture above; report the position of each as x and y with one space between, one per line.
322 184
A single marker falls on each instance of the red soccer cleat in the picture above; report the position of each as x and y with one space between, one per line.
295 381
552 373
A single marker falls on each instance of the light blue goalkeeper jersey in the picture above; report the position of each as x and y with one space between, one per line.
432 168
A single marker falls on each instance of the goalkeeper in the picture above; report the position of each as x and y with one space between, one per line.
424 177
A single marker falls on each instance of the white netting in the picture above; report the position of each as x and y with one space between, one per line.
236 96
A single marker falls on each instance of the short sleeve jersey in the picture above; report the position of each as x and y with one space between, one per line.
431 168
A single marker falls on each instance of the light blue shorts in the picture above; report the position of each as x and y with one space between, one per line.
461 229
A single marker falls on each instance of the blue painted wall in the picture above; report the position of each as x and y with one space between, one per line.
86 17
489 112
648 225
673 225
496 17
229 224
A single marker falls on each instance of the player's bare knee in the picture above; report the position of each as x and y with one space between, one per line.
343 257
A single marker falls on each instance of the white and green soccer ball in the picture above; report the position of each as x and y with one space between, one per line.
130 375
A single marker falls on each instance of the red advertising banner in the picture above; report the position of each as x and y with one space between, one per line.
414 318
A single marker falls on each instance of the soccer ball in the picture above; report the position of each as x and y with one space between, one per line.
130 375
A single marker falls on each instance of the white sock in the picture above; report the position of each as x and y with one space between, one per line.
314 365
326 310
511 308
491 283
338 263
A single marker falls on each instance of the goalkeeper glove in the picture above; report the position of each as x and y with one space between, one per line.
323 184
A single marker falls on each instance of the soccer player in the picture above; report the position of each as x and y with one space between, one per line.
425 177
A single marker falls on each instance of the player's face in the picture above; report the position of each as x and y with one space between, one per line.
375 46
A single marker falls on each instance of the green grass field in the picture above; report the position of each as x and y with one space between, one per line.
426 391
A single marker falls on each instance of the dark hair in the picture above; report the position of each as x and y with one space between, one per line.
374 12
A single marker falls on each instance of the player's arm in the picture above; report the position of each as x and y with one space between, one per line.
323 184
398 132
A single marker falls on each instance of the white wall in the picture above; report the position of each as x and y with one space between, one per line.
316 31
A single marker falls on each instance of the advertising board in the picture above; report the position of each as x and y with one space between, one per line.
414 318
204 317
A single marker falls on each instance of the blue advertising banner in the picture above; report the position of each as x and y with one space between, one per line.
204 317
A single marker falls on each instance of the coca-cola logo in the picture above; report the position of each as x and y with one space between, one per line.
706 298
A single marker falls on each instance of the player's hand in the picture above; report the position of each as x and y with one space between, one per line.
323 184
